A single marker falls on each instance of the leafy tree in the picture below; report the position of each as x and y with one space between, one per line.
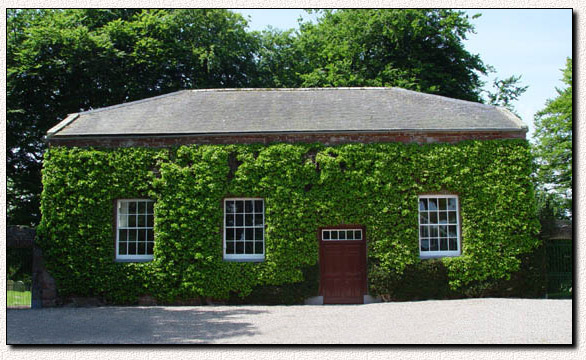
416 49
64 61
553 148
505 92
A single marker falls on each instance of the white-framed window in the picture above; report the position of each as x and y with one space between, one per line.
244 229
134 230
439 226
341 234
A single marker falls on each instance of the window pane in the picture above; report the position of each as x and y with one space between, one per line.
239 234
423 231
132 207
150 235
131 220
422 204
433 217
150 246
423 218
443 217
124 207
424 245
258 206
142 248
452 219
239 206
141 235
248 233
141 207
122 235
433 231
239 220
342 235
239 247
442 204
132 235
258 219
453 244
433 244
259 234
150 221
248 206
123 221
248 219
249 247
229 220
443 244
230 234
358 234
141 221
334 235
150 207
443 231
131 248
452 204
326 234
432 204
258 247
230 207
453 231
230 247
122 250
350 234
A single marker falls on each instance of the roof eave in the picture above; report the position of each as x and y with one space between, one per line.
55 129
316 132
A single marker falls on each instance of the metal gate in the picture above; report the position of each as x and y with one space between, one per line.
19 277
559 268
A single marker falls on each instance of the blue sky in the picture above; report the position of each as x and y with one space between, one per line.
533 43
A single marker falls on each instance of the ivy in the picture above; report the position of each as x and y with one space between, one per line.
305 186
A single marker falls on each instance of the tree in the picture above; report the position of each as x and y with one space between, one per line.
553 148
65 61
416 49
505 92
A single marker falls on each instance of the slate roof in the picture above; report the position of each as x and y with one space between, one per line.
314 110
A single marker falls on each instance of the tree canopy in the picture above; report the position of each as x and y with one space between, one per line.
65 61
553 148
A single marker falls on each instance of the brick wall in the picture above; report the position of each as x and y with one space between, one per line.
326 139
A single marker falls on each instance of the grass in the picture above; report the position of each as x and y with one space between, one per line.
18 298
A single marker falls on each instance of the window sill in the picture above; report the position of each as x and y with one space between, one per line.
133 260
426 257
258 260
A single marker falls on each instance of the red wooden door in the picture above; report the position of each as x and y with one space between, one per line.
343 265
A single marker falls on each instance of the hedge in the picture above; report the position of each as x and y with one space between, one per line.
305 186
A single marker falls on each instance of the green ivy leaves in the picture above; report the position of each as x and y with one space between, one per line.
305 186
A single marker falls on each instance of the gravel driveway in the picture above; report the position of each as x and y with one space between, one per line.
470 321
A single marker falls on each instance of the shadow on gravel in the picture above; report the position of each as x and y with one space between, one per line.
121 325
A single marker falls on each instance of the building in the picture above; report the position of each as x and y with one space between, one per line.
326 194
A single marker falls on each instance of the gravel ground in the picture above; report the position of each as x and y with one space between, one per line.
470 321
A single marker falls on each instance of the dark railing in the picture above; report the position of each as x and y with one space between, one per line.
559 268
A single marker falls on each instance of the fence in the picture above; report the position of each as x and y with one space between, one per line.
559 268
18 294
19 269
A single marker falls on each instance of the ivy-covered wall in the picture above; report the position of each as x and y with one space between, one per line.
305 186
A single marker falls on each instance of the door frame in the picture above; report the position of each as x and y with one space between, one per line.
322 253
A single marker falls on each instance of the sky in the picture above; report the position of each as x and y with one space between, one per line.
533 43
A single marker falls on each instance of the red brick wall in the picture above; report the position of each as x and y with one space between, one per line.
327 139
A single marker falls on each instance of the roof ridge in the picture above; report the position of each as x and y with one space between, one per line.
386 88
